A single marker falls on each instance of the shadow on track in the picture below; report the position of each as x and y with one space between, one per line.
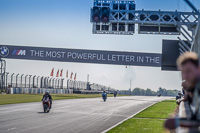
41 113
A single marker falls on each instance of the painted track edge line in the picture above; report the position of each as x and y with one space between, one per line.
105 131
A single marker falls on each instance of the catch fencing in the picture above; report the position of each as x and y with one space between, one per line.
24 82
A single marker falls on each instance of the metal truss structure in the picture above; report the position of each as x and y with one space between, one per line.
123 20
162 21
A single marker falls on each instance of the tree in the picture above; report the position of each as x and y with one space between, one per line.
136 91
148 92
142 92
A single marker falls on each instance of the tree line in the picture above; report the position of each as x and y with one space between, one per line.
149 92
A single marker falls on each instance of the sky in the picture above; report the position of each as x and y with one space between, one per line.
66 24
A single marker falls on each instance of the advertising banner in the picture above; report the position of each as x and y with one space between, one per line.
80 56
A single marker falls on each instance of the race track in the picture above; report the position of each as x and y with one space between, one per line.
71 116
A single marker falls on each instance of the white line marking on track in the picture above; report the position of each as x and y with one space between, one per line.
11 128
105 131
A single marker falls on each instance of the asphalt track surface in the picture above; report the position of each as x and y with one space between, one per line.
72 115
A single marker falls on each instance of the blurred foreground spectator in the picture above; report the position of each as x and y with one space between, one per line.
188 64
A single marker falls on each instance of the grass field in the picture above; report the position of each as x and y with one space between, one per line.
148 121
26 98
139 126
160 110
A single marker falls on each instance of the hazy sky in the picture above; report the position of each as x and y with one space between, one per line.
66 24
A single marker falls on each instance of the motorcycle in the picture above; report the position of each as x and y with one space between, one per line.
46 105
104 98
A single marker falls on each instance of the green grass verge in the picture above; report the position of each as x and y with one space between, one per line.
160 110
139 126
26 98
148 121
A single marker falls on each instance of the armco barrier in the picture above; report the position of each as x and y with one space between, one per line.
39 91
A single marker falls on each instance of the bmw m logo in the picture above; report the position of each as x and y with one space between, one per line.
4 51
19 52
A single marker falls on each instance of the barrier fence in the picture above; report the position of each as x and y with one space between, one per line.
39 91
24 82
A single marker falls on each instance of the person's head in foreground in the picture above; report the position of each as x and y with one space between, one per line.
188 64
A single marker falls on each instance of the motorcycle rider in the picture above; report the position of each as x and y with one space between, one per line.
47 95
104 95
115 93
